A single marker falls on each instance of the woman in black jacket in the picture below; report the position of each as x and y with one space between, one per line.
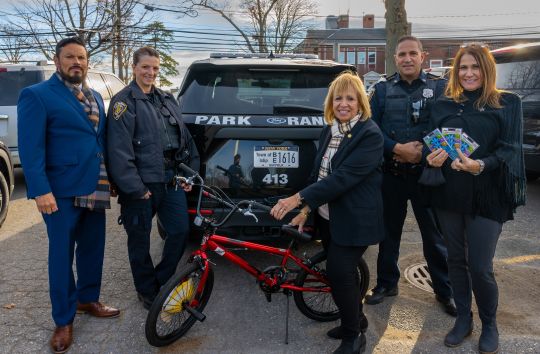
481 191
347 196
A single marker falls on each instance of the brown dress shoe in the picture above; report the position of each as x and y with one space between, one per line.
97 309
61 339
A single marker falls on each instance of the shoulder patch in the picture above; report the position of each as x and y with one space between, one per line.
118 109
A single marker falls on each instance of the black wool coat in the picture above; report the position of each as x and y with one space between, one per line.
353 188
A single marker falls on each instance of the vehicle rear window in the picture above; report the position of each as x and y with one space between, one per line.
12 82
255 91
260 168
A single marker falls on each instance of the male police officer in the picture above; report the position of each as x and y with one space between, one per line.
399 107
146 140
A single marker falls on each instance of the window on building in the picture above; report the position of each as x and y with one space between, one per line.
435 63
372 56
361 57
341 57
350 56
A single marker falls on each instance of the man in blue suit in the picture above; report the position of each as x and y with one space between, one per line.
61 126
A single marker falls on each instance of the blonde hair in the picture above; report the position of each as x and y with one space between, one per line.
490 94
341 83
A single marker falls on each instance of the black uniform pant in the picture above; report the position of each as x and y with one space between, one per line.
342 271
171 208
397 190
471 243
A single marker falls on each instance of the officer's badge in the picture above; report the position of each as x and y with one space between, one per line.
427 93
118 109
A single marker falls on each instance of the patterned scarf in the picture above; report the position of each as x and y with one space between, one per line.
339 130
100 198
87 100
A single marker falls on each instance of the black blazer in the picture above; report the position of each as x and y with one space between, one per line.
353 188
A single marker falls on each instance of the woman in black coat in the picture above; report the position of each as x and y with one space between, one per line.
346 195
481 191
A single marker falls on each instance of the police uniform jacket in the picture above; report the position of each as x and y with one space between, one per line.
134 140
401 109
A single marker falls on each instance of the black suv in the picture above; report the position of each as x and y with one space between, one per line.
256 120
7 181
518 70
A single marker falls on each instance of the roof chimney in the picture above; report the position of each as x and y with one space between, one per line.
343 21
331 22
369 21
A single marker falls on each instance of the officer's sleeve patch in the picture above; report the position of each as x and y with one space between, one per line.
118 109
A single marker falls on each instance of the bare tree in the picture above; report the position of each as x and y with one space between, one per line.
396 26
289 17
522 77
103 25
45 22
13 44
273 23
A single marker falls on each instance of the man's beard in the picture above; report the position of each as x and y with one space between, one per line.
76 79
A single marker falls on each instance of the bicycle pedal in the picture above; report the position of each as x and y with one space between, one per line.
199 316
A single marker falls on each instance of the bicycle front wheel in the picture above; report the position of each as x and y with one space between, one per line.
319 305
167 319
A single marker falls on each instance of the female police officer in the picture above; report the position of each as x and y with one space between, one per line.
146 139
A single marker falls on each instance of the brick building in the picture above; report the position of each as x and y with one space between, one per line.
364 47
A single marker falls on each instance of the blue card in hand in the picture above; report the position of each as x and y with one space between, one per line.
436 140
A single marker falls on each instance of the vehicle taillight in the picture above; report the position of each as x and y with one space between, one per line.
3 70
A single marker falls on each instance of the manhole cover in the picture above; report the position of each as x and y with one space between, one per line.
418 275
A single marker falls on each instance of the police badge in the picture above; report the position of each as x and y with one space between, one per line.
118 109
427 93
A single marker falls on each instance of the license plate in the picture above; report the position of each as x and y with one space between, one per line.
276 156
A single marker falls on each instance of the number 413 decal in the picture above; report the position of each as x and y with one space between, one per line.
276 179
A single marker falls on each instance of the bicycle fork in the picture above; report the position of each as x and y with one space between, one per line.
198 315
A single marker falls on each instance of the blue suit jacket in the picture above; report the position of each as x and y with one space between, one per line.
353 188
59 148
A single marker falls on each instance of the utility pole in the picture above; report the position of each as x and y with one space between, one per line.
119 51
396 26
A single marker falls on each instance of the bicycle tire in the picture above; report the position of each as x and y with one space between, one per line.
321 306
167 321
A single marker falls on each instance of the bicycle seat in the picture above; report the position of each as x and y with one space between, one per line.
293 232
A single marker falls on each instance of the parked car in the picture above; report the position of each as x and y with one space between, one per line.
15 77
256 120
518 70
7 181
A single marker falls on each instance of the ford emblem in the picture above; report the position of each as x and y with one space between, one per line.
274 120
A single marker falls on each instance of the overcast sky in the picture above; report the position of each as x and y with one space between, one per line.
429 18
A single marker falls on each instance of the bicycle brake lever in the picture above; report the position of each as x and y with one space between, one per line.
249 213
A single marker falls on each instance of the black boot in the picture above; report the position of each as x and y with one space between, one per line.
336 333
352 346
489 339
462 328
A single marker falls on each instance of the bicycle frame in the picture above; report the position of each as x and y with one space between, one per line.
218 244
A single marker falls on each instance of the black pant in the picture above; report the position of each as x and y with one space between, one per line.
397 190
342 270
171 208
471 243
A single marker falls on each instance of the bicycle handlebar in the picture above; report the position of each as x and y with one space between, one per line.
234 207
188 170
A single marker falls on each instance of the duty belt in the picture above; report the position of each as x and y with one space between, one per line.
401 169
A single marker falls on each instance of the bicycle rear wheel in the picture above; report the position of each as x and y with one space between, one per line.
320 306
167 319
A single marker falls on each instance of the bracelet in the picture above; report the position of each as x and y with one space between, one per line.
482 165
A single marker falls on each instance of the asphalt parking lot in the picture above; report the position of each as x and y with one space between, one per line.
239 320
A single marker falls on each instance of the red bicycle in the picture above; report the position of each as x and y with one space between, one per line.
182 299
